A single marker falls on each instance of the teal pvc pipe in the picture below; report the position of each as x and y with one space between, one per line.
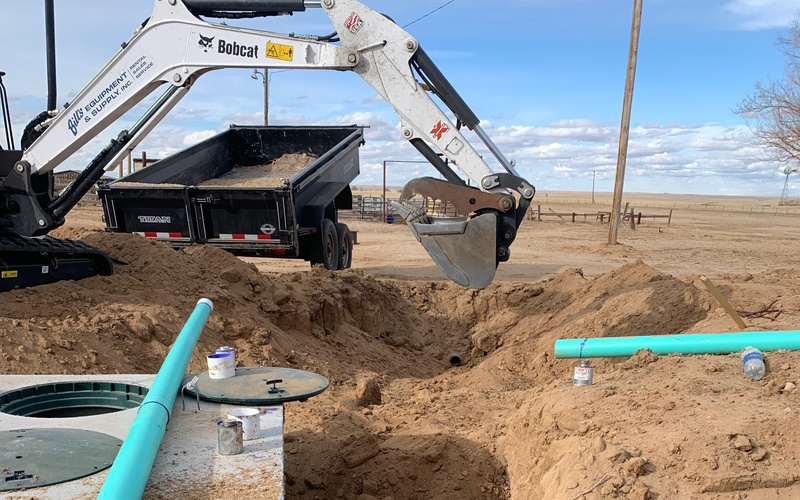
128 476
696 343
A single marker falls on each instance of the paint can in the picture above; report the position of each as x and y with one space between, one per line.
583 374
250 419
220 365
229 437
229 349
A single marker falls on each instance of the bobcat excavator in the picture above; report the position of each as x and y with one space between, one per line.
174 47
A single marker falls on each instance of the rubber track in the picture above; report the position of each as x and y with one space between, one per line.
48 249
47 244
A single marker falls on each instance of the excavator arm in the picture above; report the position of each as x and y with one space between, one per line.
175 46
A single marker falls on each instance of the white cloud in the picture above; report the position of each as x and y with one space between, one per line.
195 137
763 14
696 158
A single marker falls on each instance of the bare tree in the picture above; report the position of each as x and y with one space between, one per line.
774 106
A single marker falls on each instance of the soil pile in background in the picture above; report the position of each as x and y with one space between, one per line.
508 422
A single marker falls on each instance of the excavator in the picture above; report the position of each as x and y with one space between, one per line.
174 47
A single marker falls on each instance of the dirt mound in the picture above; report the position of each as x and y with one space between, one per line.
336 324
506 423
676 427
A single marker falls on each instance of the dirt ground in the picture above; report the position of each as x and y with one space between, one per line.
507 423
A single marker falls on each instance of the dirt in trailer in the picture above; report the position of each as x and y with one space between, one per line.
267 175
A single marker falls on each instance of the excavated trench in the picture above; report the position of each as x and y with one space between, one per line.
506 423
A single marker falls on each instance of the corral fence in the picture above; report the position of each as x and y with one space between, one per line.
371 208
630 216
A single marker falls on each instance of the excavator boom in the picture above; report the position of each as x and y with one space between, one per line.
175 46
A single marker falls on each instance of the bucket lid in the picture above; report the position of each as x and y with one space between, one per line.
258 386
219 355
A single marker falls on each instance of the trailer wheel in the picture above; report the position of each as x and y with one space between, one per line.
325 249
345 246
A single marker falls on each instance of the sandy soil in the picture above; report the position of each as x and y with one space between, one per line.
267 175
507 423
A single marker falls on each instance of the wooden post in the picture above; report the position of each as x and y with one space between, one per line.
573 217
539 213
723 302
633 220
144 159
669 221
639 220
120 169
130 161
625 124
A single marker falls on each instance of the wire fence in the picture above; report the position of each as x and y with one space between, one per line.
708 207
372 208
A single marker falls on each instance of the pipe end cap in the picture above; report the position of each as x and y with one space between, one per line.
206 302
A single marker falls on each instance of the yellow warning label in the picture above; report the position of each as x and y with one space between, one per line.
278 51
8 274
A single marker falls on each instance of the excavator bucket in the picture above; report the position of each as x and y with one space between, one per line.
464 248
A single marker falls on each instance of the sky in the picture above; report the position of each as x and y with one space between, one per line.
546 78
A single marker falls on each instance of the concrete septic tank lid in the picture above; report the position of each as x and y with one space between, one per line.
71 399
254 386
32 458
187 464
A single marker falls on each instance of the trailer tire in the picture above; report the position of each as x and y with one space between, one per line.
325 248
345 246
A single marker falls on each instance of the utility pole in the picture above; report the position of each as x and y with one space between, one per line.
265 76
625 125
266 97
594 175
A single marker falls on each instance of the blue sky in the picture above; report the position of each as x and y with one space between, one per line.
546 78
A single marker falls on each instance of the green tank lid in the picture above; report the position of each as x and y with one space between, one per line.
32 458
258 386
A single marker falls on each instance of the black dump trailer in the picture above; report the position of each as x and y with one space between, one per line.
270 191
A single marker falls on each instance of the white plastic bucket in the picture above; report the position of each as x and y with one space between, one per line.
227 349
251 421
221 365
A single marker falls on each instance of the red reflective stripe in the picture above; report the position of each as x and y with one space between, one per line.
246 237
279 251
174 235
150 234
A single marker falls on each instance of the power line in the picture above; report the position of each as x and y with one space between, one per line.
429 13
